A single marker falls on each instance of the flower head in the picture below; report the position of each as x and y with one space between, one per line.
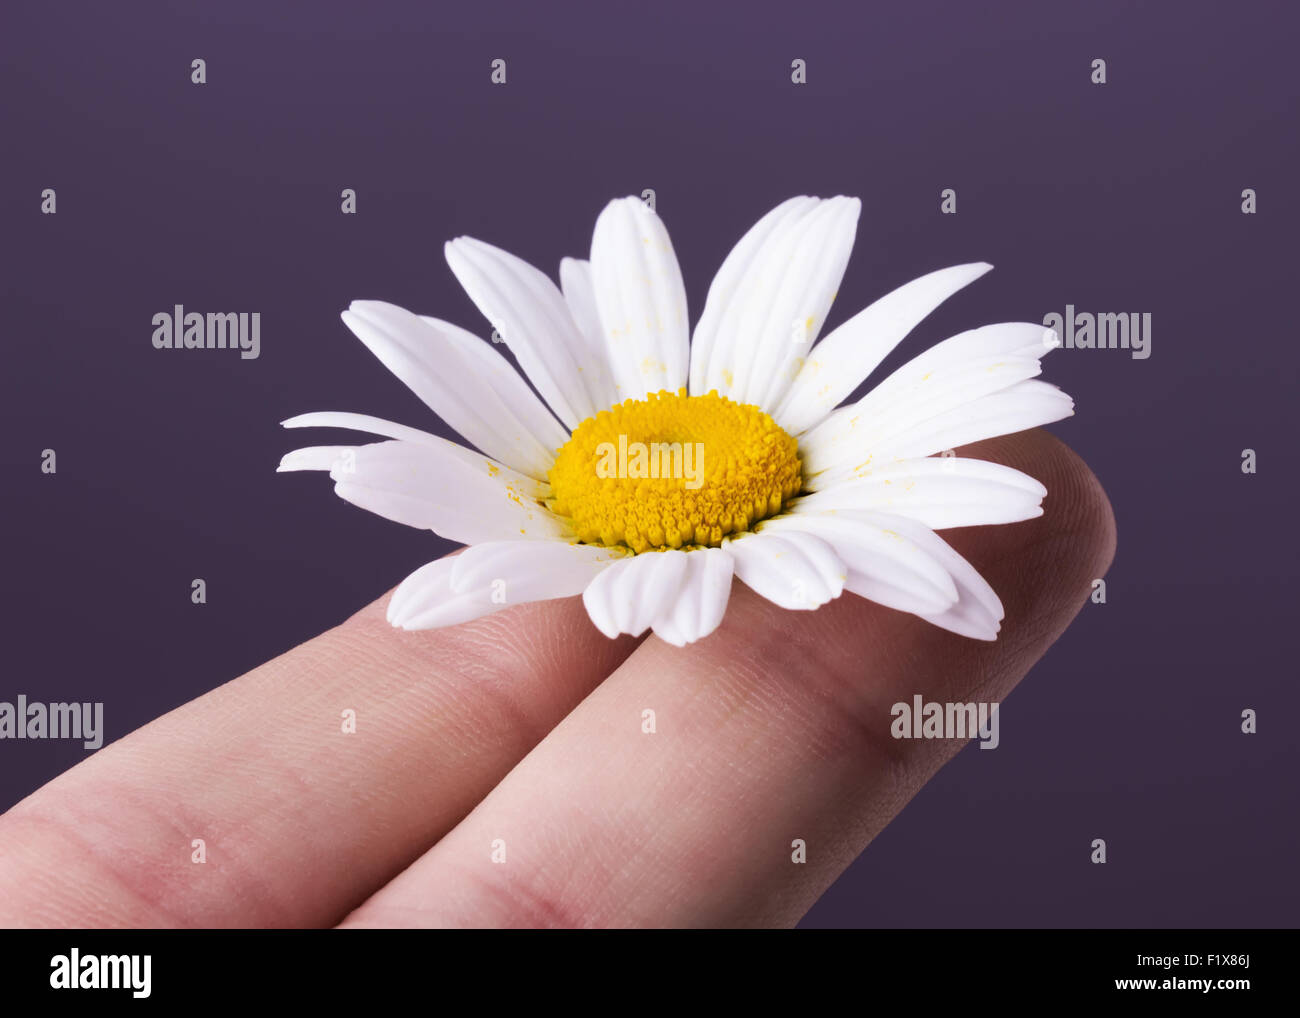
658 464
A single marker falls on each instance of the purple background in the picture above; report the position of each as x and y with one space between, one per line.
1123 197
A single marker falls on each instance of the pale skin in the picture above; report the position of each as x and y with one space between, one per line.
526 726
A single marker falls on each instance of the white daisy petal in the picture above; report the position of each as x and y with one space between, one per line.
523 484
665 630
524 571
1022 406
840 362
486 578
640 298
792 569
974 386
437 365
714 332
530 314
458 495
996 356
794 283
771 297
701 599
978 612
938 492
425 600
1003 339
629 595
954 373
973 608
884 565
370 425
316 457
852 442
888 414
580 295
529 412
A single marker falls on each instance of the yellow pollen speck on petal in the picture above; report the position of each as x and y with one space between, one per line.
673 471
493 469
729 378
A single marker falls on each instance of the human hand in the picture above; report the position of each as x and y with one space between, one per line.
525 728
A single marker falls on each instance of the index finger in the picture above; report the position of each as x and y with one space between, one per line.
256 805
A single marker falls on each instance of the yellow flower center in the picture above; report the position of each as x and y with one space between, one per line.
673 470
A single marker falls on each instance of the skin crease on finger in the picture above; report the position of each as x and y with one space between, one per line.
299 821
774 728
299 832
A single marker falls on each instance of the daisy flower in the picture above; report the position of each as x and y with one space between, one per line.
644 466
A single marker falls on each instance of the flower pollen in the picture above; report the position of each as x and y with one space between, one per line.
673 471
